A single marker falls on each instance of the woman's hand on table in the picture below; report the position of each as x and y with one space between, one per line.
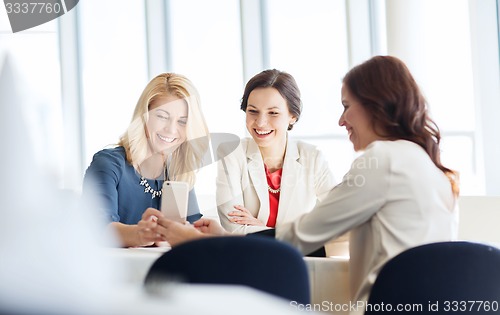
147 233
176 233
209 226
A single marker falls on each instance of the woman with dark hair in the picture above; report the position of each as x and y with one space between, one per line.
269 179
396 195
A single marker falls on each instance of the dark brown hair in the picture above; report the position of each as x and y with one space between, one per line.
387 90
281 81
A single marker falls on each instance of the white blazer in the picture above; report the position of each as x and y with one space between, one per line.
241 180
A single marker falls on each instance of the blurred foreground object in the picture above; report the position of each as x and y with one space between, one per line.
50 258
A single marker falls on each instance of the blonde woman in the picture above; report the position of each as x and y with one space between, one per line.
166 140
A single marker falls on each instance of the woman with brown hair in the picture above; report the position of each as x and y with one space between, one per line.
269 179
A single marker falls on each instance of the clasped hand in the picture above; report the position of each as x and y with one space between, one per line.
154 228
243 216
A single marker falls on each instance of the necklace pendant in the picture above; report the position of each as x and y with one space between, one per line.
273 191
148 189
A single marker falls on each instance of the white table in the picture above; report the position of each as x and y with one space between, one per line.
329 277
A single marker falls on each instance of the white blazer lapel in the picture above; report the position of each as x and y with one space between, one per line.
257 175
290 176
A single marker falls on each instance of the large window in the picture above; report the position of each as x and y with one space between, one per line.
220 44
447 83
206 47
439 54
34 55
310 42
113 68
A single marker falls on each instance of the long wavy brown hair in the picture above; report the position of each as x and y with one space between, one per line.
386 88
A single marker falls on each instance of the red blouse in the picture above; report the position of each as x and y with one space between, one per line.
274 182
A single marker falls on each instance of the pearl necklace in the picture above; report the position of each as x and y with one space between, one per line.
273 191
148 189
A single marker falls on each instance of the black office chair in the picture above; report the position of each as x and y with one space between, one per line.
259 262
440 278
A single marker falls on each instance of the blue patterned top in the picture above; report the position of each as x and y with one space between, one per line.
117 186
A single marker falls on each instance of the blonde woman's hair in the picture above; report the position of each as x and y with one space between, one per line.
188 157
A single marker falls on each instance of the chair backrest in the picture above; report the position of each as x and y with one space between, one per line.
438 278
259 262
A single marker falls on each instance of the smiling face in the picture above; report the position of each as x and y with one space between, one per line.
166 126
357 121
268 117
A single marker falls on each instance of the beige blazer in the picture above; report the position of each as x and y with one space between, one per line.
241 180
